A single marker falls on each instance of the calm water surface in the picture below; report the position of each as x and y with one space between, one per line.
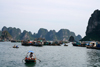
50 56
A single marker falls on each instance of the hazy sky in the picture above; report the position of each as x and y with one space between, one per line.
31 15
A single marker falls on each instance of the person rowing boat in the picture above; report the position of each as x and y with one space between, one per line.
30 57
15 46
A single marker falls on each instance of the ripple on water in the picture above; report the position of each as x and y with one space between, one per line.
50 56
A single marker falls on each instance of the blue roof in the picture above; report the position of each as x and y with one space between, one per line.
31 51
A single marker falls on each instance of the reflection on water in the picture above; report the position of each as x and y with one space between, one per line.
30 64
93 58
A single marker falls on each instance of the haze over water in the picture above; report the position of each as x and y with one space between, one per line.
50 56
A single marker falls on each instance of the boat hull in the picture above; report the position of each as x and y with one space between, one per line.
93 47
30 61
27 44
82 45
65 45
75 45
15 47
37 45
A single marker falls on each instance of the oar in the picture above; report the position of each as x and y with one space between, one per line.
39 60
22 60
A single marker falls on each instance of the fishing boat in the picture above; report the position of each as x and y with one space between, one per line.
93 45
27 43
15 46
32 43
65 45
81 44
76 43
28 59
37 43
13 41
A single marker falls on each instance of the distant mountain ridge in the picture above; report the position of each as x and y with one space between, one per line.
62 34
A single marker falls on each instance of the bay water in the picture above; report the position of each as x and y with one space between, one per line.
50 56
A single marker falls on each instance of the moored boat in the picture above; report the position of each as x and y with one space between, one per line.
27 43
76 43
37 43
81 44
89 47
93 45
32 43
65 45
13 41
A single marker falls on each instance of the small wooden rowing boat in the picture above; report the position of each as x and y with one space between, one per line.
15 46
30 58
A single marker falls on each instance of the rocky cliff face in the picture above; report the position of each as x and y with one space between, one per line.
42 33
5 36
78 37
64 34
51 35
93 28
93 22
14 32
25 35
71 39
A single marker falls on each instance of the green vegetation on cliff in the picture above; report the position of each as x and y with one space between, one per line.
14 32
62 34
51 35
6 36
25 35
42 33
